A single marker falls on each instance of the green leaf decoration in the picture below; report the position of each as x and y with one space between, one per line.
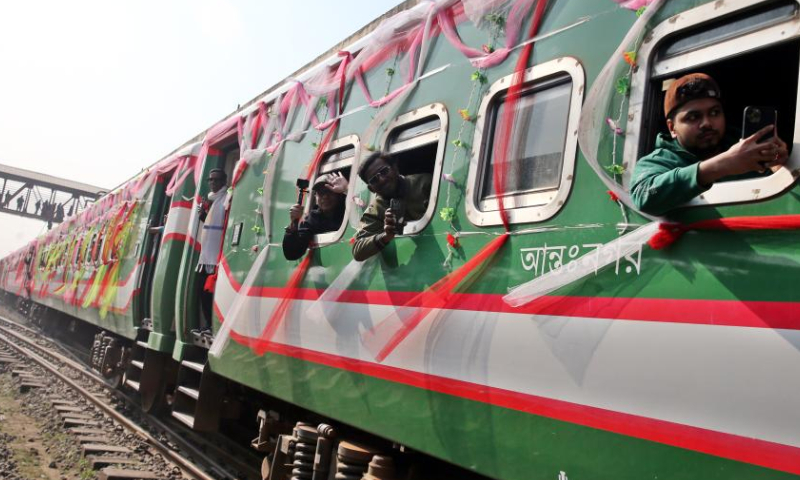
498 20
640 12
615 169
460 144
623 85
478 76
256 229
390 72
260 191
315 144
448 214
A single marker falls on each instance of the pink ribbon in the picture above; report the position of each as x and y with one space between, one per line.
634 4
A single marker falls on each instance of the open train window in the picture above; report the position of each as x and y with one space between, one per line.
751 48
337 159
542 148
417 141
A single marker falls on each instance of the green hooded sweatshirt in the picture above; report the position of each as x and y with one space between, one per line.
667 177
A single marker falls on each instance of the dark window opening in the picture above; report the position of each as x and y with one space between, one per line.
415 146
537 142
418 160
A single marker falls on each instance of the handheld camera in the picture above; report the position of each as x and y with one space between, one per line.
398 208
302 189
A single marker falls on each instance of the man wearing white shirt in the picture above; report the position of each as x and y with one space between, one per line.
212 214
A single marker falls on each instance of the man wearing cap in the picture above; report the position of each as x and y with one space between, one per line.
696 153
330 192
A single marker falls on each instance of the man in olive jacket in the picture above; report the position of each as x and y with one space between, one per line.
696 153
379 223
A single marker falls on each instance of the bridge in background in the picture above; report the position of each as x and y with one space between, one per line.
43 197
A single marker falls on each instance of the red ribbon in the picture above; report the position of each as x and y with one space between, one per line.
260 346
438 295
669 233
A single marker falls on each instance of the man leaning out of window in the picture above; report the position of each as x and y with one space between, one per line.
697 153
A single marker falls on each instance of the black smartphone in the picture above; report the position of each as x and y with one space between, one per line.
756 118
399 210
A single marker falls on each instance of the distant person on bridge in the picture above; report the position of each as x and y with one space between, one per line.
59 213
7 200
212 214
38 206
330 192
696 153
407 193
20 203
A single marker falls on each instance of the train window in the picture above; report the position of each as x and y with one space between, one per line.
740 23
337 159
417 140
543 145
751 49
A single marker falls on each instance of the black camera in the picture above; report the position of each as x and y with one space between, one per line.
398 208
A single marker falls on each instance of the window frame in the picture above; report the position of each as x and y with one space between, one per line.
534 76
433 109
739 191
328 238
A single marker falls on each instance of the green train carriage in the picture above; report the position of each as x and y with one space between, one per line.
676 363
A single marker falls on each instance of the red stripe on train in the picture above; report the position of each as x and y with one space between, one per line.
180 237
732 313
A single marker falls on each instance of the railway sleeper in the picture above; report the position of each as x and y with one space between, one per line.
111 473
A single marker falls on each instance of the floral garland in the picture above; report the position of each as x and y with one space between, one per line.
623 88
479 81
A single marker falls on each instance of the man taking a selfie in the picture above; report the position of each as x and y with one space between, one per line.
696 153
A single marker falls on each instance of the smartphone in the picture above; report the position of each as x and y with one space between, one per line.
756 118
399 210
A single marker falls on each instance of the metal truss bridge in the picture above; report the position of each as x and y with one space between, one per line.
44 197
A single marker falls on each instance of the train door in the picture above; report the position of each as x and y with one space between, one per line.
148 255
222 156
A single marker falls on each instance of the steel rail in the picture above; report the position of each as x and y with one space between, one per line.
174 434
165 451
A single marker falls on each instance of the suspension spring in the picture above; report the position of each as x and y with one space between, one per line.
352 461
304 449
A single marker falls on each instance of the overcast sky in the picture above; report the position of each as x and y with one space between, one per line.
96 90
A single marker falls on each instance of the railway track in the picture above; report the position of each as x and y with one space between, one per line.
36 359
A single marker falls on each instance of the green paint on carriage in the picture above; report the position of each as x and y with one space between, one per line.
165 281
494 441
